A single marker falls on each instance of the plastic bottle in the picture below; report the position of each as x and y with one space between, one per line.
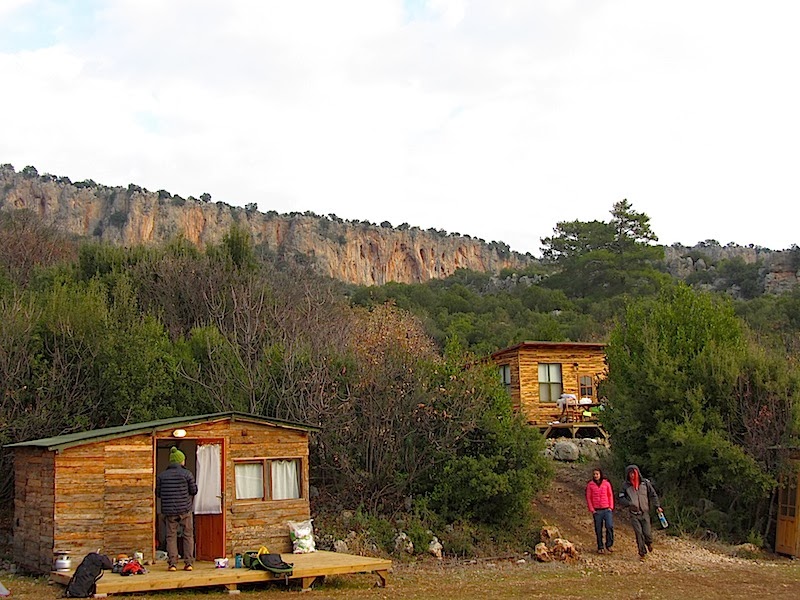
663 519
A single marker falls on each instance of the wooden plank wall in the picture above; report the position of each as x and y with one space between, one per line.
33 509
252 523
105 497
524 361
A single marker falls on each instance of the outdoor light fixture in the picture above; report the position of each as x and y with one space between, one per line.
179 433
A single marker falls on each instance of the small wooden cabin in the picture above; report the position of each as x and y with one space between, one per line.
787 535
81 492
536 374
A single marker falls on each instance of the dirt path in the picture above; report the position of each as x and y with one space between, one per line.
564 506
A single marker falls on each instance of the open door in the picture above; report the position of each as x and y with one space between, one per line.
209 504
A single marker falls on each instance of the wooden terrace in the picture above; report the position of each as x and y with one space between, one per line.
307 569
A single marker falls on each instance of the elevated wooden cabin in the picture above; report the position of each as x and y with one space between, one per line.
81 492
536 374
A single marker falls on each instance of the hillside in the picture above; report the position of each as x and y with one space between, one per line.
356 252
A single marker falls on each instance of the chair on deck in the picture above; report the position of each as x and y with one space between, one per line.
570 410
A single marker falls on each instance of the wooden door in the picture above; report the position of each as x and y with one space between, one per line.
209 515
787 539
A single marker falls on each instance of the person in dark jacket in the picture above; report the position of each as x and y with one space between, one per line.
176 488
636 495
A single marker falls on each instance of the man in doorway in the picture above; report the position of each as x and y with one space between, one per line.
176 488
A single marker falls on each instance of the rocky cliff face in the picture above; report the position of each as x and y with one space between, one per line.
779 270
359 253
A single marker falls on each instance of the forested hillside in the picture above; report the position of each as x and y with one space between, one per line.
413 420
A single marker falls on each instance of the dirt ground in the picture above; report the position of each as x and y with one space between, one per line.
677 569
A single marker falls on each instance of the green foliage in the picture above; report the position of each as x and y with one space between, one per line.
600 260
498 469
685 392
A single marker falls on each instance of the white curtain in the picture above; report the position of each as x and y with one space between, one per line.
285 479
208 500
249 479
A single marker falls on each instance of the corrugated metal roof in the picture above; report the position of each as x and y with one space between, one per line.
95 435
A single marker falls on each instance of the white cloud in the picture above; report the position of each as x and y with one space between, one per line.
491 118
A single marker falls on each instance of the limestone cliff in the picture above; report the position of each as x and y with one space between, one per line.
359 253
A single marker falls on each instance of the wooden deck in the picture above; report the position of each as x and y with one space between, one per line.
573 429
307 568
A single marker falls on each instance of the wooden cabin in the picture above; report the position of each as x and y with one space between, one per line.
81 492
787 535
536 374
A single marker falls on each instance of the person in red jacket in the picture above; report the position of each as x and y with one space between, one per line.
600 500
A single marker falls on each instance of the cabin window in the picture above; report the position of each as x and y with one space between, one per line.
267 479
586 385
505 377
787 499
550 387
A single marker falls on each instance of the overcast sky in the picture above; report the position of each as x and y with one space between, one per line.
493 118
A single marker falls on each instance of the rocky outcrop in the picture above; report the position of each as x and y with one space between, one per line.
355 252
778 269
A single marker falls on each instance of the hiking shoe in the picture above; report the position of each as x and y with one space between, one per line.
172 568
187 568
642 557
601 551
609 550
649 547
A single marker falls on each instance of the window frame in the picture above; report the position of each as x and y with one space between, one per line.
550 383
505 377
266 474
582 387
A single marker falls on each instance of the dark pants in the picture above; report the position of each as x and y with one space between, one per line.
643 532
186 523
604 516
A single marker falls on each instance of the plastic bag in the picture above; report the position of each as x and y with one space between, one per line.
302 535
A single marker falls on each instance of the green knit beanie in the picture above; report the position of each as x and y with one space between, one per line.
176 456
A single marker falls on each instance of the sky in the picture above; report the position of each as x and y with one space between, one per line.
492 118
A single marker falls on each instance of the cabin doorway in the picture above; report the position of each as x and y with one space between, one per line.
204 458
787 539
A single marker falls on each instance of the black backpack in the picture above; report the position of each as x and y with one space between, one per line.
83 583
272 563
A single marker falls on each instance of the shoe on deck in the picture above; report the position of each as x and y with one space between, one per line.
172 568
187 568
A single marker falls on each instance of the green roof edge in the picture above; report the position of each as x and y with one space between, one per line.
95 435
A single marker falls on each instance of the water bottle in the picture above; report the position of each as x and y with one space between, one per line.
663 519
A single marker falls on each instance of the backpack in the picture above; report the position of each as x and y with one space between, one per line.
272 563
83 583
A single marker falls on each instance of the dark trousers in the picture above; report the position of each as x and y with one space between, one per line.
643 532
603 516
186 523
